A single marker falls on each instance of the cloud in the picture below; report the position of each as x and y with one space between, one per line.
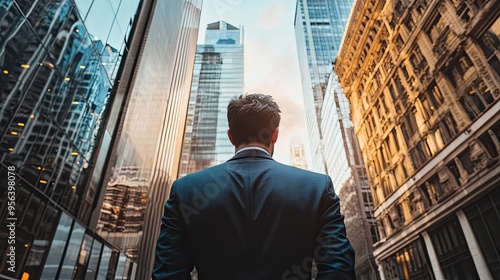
272 17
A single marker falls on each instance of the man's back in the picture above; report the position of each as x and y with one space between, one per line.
253 218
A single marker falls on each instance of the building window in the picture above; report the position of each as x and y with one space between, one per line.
477 100
490 44
462 10
384 157
464 64
386 187
393 93
466 162
452 167
484 219
438 27
409 125
420 153
410 25
57 247
410 262
452 252
489 144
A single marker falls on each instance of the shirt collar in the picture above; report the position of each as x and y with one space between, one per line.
252 148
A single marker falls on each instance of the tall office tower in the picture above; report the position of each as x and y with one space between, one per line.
68 70
423 79
297 153
217 77
146 149
59 62
319 26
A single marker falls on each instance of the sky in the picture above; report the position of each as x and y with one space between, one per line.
270 58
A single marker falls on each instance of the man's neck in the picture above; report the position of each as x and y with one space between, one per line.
255 145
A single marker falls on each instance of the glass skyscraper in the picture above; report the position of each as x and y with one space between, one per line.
217 77
59 63
79 80
146 151
319 27
344 163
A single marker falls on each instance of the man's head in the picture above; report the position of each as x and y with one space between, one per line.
253 120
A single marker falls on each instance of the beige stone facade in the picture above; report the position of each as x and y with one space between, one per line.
423 81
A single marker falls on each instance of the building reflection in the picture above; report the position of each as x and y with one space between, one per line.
145 146
54 86
424 92
123 208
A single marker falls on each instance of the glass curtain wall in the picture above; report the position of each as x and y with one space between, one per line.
58 63
217 77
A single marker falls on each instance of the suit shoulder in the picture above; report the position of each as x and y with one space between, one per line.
299 172
201 174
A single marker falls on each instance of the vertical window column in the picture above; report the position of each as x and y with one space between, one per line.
475 251
438 273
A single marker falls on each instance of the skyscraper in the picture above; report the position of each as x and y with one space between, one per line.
76 77
319 27
423 79
345 165
145 153
59 61
217 77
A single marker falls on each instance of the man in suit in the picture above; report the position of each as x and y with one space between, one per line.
252 217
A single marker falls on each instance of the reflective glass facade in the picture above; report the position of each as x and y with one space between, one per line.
319 26
336 126
78 81
217 77
59 62
344 164
146 152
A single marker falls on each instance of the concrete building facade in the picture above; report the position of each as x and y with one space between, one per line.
423 80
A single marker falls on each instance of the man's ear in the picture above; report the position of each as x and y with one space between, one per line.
230 135
275 135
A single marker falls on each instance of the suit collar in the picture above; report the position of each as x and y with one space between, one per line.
252 147
248 153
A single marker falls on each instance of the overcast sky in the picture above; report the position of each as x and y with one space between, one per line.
271 62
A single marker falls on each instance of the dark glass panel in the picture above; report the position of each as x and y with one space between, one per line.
40 244
57 247
485 232
72 252
99 21
94 260
411 262
83 258
452 251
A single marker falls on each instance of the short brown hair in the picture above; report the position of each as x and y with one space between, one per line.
253 118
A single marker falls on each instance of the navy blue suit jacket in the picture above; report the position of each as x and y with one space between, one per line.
253 218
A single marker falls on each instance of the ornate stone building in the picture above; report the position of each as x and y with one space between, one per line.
423 81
